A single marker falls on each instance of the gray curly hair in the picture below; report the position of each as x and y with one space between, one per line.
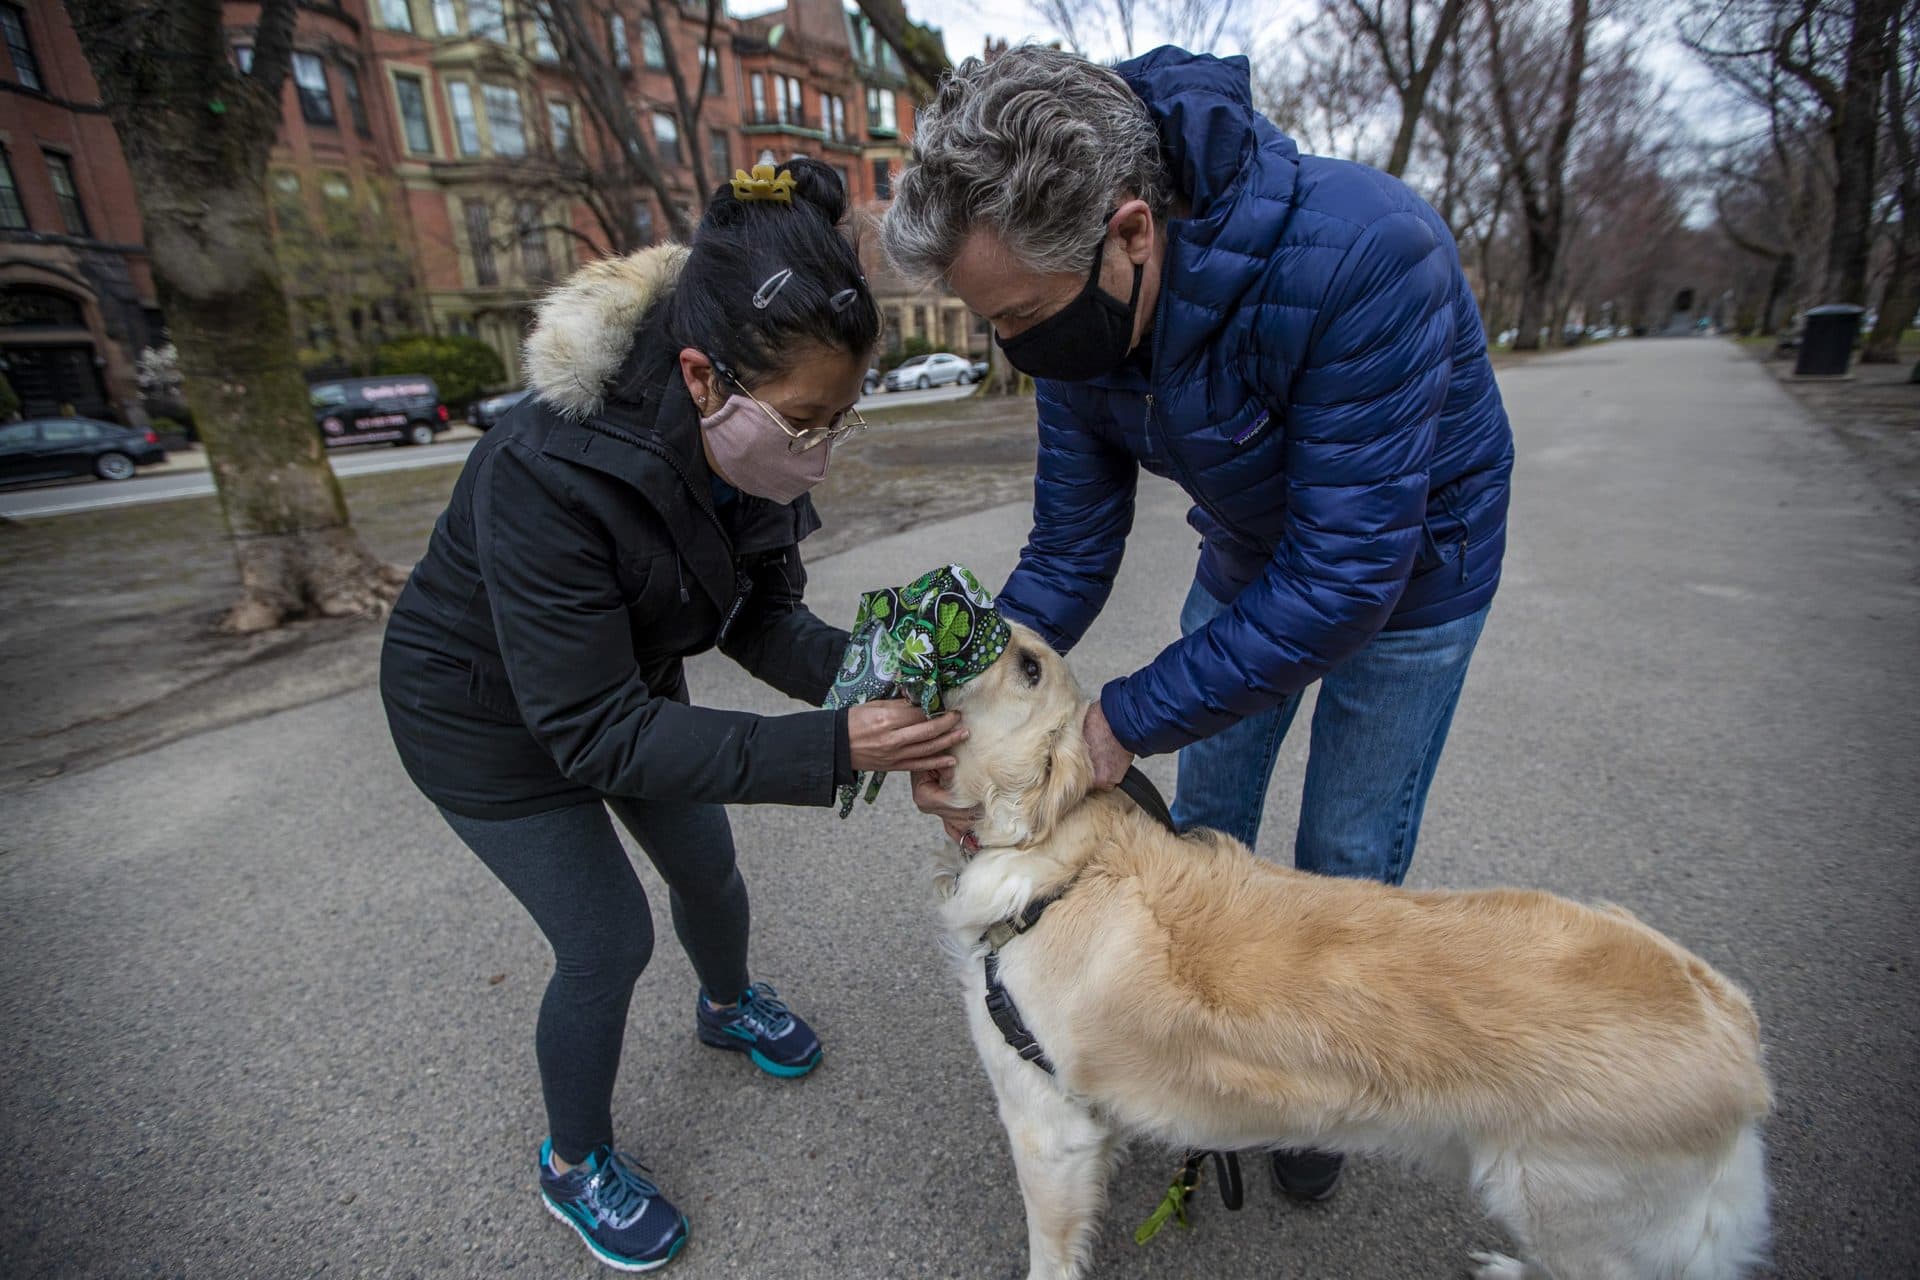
1033 146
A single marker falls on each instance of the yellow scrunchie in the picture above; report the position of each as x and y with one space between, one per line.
761 184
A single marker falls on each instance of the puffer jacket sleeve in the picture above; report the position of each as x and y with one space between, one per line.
1083 490
1362 416
566 640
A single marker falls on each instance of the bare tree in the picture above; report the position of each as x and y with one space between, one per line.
1537 72
1408 39
1902 297
612 176
196 132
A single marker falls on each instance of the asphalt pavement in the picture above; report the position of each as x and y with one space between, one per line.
266 1016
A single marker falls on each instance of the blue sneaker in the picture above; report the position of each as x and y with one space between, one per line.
762 1027
623 1218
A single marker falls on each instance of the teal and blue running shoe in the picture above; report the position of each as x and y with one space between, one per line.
762 1027
623 1217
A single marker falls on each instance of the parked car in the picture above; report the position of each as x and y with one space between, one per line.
48 448
978 369
936 370
484 413
403 408
870 383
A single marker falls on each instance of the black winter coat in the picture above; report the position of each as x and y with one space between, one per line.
534 658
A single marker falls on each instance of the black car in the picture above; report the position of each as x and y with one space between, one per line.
48 448
403 408
483 414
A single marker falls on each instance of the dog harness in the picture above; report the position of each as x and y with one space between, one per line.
1000 1006
1020 1038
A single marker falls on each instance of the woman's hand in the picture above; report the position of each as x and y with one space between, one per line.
1110 760
895 736
930 795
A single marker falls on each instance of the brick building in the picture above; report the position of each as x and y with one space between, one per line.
417 180
76 291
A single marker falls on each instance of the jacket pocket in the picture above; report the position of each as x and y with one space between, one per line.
652 584
489 688
1443 540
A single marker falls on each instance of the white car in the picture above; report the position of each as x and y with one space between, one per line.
936 370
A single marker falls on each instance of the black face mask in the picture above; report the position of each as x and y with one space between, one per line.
1089 336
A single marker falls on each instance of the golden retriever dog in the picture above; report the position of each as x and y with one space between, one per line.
1598 1086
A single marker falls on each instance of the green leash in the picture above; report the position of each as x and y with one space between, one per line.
1173 1205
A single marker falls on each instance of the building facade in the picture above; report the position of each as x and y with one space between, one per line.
77 302
435 171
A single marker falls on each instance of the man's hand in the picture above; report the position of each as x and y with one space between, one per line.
1110 760
930 795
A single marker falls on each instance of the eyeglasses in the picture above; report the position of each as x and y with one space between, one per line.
845 423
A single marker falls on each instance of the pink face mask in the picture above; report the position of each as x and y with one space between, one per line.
751 453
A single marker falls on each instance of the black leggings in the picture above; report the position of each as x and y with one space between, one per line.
571 873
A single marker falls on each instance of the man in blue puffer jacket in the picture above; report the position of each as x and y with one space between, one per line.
1292 341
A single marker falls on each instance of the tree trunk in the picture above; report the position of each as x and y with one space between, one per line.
1779 283
196 135
1002 378
1899 302
1856 133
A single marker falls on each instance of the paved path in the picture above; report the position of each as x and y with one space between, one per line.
266 1017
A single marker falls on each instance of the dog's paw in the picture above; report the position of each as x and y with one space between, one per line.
1498 1266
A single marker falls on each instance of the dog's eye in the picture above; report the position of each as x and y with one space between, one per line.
1030 668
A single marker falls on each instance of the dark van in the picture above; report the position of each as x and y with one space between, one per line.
403 408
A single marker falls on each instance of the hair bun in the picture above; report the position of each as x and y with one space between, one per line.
818 184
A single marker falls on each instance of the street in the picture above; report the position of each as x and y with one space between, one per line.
93 495
269 1017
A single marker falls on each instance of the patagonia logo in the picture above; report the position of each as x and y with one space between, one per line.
1254 428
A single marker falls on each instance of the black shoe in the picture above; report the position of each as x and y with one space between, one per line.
1307 1176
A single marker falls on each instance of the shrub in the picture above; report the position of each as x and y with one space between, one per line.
914 346
9 399
461 367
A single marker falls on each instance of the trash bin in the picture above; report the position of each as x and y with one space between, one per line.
1826 344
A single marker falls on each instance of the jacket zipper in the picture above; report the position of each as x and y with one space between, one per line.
1173 456
742 584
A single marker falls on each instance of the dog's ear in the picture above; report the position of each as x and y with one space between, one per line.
1026 797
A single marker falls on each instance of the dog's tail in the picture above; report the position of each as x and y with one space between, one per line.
1722 1233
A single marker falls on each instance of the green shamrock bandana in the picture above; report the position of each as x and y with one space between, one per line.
915 642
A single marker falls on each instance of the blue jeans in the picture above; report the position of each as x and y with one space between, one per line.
1378 727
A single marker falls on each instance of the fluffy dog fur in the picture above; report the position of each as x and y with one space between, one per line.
1599 1087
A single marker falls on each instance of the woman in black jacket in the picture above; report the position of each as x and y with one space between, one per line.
646 504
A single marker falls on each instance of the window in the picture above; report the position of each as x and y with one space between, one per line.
719 157
486 19
617 38
310 79
356 105
883 179
480 243
503 119
543 42
413 114
880 112
25 69
60 169
710 66
789 98
560 121
666 137
445 20
833 111
65 431
643 222
466 126
13 216
653 50
757 88
243 58
396 14
534 260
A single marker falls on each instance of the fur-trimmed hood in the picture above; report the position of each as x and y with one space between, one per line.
585 326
